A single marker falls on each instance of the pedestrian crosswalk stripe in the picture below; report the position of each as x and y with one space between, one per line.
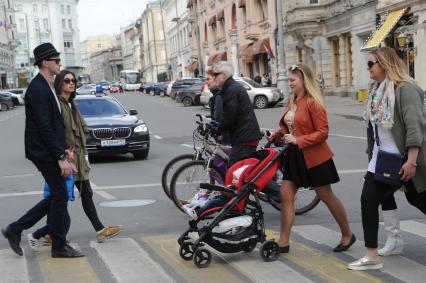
168 249
252 266
128 262
331 268
399 267
65 270
13 268
414 227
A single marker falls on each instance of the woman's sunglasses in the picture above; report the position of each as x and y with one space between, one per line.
68 81
370 64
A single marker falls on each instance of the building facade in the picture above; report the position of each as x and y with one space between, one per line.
240 31
106 65
153 43
92 45
52 21
8 43
130 46
179 42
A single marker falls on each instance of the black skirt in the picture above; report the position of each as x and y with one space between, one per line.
295 170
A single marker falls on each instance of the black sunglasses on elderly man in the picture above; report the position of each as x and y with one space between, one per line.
370 64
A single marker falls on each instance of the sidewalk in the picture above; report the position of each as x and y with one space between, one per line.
344 106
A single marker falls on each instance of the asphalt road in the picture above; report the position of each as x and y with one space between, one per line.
123 178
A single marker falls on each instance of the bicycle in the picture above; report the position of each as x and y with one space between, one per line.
210 167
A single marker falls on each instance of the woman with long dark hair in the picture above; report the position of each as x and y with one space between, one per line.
76 130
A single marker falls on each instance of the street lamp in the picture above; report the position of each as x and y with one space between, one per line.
282 76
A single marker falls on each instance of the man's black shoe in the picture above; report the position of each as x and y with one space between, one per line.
67 252
14 240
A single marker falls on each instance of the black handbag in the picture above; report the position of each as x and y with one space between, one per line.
388 166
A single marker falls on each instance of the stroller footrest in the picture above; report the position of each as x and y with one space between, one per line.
212 187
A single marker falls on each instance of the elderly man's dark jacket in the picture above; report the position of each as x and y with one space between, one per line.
44 125
238 117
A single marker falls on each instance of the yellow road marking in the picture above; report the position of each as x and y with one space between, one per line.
326 266
168 249
65 270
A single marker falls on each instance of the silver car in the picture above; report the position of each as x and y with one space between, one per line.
86 89
261 97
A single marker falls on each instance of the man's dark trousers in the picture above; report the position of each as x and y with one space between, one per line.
55 206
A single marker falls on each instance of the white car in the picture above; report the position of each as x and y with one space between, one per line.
169 88
261 97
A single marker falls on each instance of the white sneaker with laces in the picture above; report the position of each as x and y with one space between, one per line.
34 243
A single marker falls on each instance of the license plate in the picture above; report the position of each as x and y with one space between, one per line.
106 143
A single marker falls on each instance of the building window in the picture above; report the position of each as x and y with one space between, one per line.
99 45
163 54
19 7
64 24
62 9
34 8
68 9
70 24
21 24
313 1
68 44
234 17
44 9
45 24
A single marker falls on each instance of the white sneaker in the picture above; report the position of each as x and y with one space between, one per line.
190 212
34 243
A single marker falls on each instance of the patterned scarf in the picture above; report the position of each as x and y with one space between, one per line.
380 105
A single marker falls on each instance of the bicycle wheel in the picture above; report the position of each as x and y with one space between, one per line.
306 198
186 181
170 169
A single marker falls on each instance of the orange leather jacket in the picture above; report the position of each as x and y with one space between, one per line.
311 131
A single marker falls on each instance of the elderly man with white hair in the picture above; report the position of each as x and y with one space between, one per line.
238 118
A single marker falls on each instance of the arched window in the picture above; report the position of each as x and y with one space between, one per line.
234 17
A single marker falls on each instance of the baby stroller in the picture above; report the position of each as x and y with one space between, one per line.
238 224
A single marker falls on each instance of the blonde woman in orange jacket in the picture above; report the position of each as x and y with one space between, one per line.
309 162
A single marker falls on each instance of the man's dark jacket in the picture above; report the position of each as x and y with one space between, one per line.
44 125
238 117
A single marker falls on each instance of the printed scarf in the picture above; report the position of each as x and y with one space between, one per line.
380 105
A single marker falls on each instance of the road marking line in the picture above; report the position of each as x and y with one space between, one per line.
351 171
331 268
13 268
65 270
128 262
16 176
158 137
399 267
105 195
415 228
168 249
349 137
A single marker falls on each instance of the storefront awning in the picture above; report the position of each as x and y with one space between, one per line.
192 67
212 20
387 26
245 53
261 46
241 3
216 58
220 15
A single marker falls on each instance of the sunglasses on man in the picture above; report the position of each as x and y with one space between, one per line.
57 60
370 64
68 81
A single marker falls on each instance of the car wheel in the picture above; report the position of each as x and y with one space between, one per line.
260 102
152 93
141 154
92 92
187 101
144 91
173 95
3 107
162 94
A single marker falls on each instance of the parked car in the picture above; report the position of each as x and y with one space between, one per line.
105 85
158 89
169 88
86 89
189 95
6 102
179 84
16 99
115 88
206 96
20 91
146 87
112 128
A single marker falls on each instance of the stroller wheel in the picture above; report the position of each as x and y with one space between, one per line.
186 251
202 258
270 251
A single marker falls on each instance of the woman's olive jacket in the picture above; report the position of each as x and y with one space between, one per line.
409 128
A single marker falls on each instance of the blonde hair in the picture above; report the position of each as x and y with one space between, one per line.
305 74
394 67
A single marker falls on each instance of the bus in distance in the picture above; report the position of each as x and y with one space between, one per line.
130 79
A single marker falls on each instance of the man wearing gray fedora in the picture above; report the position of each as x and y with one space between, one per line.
45 148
